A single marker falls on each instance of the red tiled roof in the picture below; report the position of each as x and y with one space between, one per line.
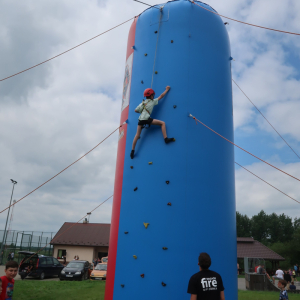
255 249
90 234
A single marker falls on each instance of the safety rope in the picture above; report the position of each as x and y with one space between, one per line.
288 32
266 119
64 168
156 46
267 183
66 51
242 148
67 229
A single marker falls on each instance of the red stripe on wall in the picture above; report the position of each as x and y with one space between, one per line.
115 218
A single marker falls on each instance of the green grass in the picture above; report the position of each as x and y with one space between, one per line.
58 290
252 295
94 290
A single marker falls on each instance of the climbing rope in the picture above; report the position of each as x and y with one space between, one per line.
242 148
66 51
68 228
267 183
288 32
64 168
266 119
156 46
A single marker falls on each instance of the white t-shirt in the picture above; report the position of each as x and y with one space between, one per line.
279 274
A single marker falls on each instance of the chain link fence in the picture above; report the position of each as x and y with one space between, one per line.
31 241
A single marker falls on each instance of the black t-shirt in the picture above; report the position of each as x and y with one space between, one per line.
287 277
206 284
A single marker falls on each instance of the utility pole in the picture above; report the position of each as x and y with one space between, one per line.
4 234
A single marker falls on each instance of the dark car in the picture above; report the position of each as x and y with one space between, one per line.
75 270
43 266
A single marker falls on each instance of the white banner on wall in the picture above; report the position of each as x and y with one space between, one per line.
127 82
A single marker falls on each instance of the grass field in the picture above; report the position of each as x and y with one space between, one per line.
94 290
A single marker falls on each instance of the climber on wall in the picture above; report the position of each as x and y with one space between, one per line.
145 109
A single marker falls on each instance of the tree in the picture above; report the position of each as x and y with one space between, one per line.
243 225
259 227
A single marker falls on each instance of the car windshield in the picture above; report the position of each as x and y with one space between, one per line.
101 267
75 265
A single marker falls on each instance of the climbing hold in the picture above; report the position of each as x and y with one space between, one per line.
126 232
165 248
231 58
134 256
142 82
163 284
135 189
146 225
174 106
142 275
150 162
146 54
156 72
171 41
133 47
131 167
155 31
167 182
226 23
169 203
122 285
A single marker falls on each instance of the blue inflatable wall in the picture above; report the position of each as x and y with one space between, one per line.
189 49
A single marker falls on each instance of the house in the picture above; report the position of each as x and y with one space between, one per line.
87 240
248 247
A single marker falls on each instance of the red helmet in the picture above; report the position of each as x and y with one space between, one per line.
148 92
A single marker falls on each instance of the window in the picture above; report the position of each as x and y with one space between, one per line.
49 260
56 262
61 253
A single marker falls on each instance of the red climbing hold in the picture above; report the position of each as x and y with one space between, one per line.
142 275
169 203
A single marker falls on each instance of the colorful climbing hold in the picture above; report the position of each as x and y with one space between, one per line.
169 203
167 182
142 82
146 54
126 232
171 41
142 275
155 31
134 256
131 167
163 284
174 106
150 162
122 285
156 72
165 248
135 189
146 225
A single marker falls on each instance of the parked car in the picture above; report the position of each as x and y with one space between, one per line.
75 270
104 259
43 265
99 272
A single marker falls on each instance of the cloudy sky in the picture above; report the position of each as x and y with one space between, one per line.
53 114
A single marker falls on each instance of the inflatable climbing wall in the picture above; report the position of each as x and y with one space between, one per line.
173 201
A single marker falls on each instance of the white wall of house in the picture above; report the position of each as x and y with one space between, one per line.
84 253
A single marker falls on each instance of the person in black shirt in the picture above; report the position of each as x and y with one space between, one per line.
287 278
206 284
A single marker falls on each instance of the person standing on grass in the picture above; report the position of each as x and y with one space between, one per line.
206 284
145 109
283 295
11 270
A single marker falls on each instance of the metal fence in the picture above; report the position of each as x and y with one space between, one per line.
25 241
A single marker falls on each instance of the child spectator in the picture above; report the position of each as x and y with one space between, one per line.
294 275
283 293
145 110
11 270
292 286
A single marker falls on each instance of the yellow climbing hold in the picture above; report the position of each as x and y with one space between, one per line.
150 162
134 256
146 225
